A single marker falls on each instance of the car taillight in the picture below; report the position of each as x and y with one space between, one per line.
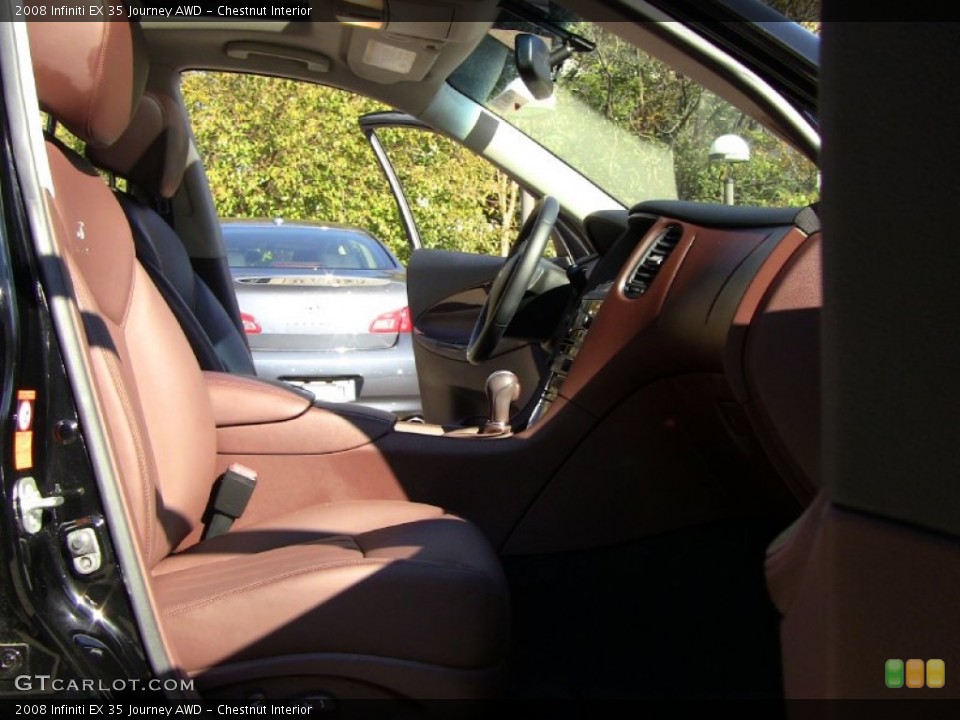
250 324
395 321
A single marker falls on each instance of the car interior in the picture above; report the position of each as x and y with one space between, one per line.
658 469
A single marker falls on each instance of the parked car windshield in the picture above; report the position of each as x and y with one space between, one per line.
634 126
303 247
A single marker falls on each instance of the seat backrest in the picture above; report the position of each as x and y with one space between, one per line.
152 154
154 400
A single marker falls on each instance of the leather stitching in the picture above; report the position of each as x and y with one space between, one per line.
328 565
148 486
111 362
253 386
98 80
85 301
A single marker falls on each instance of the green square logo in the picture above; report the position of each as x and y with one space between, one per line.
893 673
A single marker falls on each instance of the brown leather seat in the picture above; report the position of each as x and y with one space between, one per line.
385 594
388 578
152 156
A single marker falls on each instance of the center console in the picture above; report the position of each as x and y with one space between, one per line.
568 348
503 389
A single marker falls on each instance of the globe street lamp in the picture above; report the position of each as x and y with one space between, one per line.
728 150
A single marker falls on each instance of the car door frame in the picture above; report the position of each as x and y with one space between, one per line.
369 124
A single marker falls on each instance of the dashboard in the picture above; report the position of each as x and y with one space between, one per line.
720 303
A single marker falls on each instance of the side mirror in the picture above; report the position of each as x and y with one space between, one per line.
533 65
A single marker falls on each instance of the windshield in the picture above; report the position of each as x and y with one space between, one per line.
635 127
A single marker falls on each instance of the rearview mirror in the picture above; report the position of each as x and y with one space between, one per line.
533 65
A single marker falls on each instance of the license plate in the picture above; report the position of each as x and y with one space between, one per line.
329 390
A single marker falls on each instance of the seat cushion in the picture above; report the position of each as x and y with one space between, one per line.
381 578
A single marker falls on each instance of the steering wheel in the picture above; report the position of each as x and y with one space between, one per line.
513 280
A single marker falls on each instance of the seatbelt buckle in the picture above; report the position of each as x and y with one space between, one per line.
230 498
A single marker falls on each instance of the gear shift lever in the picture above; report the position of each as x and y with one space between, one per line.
502 388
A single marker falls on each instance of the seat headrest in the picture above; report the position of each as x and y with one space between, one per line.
153 151
89 75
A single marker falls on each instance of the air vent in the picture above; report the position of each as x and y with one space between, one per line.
652 261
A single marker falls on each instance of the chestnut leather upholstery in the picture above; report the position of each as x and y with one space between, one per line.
152 155
239 400
257 417
392 593
388 579
75 62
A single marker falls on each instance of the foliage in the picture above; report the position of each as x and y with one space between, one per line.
459 201
805 12
281 148
649 100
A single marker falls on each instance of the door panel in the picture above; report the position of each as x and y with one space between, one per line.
446 292
435 275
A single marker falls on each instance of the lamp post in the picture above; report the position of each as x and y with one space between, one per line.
728 150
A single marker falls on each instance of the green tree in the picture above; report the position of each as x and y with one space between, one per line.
649 100
315 164
460 201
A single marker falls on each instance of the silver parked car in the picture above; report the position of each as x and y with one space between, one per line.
324 307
